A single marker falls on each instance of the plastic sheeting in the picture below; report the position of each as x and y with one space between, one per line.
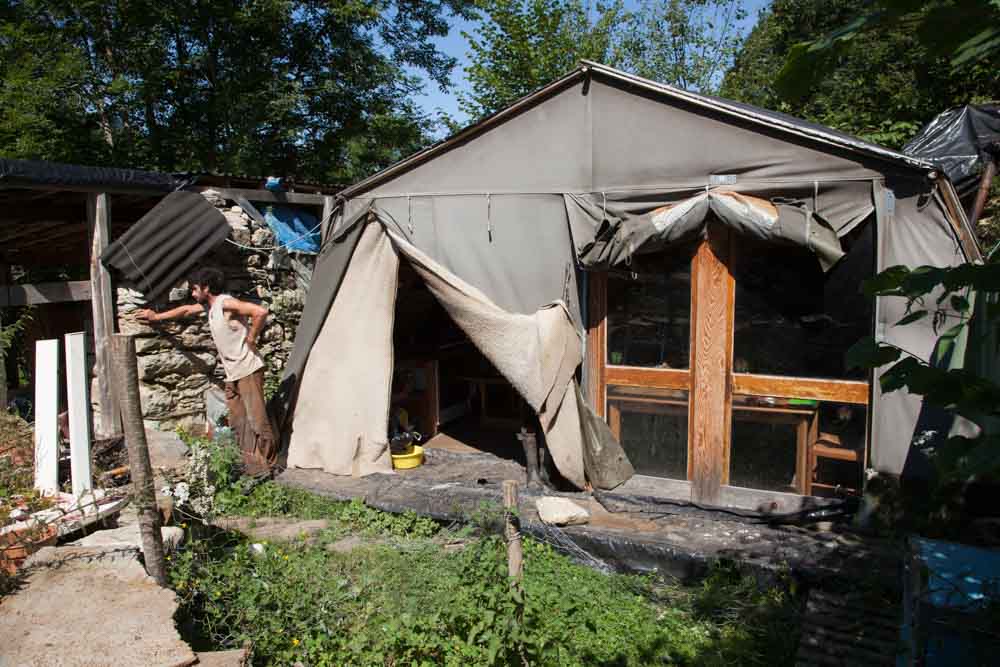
956 141
294 229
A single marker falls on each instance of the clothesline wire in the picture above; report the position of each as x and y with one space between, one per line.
276 247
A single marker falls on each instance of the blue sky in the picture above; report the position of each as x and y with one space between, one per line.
455 45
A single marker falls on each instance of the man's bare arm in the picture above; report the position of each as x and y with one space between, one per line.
178 313
255 313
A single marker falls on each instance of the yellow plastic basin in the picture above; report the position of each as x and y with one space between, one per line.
411 460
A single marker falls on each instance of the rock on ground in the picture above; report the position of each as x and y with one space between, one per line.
127 536
272 529
84 607
557 511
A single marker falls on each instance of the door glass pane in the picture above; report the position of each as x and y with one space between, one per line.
794 320
649 312
772 437
651 425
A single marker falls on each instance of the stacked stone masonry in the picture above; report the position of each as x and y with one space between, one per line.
177 360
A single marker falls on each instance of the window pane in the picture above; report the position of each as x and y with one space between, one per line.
769 434
649 313
651 425
794 320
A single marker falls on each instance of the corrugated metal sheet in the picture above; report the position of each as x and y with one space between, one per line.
166 243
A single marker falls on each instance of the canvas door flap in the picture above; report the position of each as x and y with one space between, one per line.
342 407
608 233
536 353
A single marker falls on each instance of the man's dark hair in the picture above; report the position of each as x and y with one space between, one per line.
209 277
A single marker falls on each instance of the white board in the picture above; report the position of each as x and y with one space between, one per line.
79 412
46 416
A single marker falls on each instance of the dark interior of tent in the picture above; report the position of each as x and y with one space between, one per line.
452 395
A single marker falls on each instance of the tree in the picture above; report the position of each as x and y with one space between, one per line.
882 85
686 43
520 45
304 88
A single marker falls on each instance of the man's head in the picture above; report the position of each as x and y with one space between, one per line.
206 282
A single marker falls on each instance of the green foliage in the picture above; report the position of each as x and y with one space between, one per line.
881 81
945 296
425 606
318 90
10 332
521 45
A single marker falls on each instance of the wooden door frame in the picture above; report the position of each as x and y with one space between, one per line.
710 380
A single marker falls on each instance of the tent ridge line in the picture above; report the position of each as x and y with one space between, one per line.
644 188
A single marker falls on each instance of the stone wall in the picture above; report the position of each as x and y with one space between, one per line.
178 361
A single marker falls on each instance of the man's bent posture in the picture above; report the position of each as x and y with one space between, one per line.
237 345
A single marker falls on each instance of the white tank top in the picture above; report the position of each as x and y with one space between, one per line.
229 331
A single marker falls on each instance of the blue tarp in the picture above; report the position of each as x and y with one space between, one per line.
295 229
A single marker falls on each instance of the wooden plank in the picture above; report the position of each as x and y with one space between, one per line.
102 305
840 391
267 196
41 293
46 416
656 378
711 351
325 218
597 331
78 405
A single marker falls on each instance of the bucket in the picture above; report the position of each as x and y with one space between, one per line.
407 461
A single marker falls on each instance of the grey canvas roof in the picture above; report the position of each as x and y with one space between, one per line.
765 118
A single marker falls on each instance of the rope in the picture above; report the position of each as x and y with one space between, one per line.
276 247
149 285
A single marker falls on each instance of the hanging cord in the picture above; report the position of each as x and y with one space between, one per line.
409 214
489 221
149 285
276 247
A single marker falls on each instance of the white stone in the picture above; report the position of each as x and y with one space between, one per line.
214 198
257 549
557 511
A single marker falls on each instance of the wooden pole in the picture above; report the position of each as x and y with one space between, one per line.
512 530
985 181
126 383
325 221
102 304
79 412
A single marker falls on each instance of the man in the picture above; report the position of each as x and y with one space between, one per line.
242 362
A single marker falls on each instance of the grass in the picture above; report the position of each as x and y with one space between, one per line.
403 599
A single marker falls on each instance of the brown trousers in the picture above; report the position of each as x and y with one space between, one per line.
251 424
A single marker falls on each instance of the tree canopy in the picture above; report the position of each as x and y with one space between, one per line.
882 85
520 45
314 89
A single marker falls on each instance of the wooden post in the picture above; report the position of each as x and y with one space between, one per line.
325 222
985 181
512 530
46 416
79 412
126 386
102 303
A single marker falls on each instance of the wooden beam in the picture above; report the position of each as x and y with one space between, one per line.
41 293
266 196
658 378
597 334
709 429
102 300
325 219
840 391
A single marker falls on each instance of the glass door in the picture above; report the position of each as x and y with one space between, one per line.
721 365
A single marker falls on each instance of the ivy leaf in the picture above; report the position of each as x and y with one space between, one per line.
887 282
868 353
912 317
959 303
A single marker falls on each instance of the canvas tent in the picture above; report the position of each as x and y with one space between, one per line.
513 222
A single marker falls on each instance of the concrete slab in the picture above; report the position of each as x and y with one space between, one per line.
625 532
84 607
272 529
235 658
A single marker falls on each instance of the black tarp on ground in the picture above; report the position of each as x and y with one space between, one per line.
166 243
40 173
957 140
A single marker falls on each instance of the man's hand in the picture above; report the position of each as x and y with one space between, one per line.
147 316
252 345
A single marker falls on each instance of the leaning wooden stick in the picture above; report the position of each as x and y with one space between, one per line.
512 530
126 385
